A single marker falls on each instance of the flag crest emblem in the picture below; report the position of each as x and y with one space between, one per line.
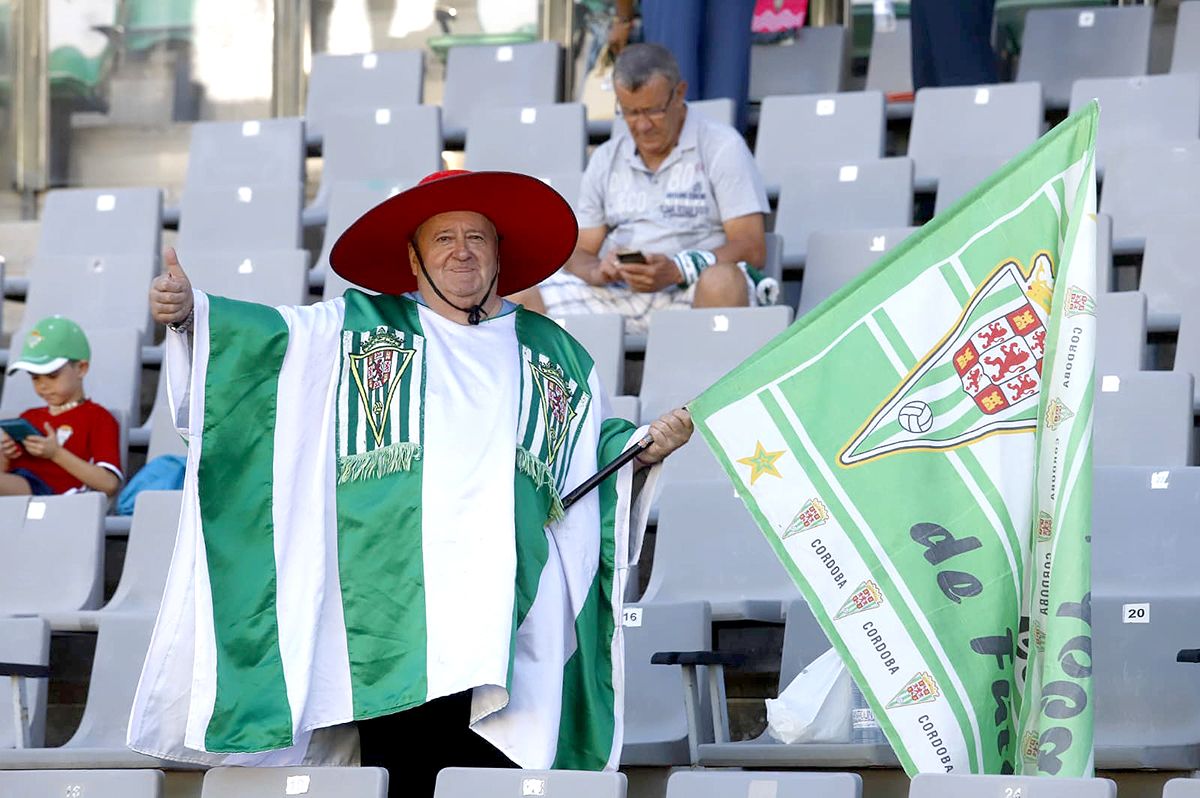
866 596
983 377
555 394
921 689
377 370
813 514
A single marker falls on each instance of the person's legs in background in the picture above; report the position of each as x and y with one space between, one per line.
678 26
952 43
725 54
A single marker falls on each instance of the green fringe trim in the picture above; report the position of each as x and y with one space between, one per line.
529 465
377 462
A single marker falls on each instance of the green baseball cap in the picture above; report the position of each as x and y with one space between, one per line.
50 345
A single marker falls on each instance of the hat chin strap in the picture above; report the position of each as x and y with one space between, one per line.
475 313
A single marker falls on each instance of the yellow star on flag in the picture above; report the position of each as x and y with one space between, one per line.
762 462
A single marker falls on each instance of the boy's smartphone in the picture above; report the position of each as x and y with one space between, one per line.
631 257
18 428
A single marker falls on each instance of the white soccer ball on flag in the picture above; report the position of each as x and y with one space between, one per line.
916 416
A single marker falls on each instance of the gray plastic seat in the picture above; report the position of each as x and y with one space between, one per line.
1140 111
656 727
1104 253
1144 418
533 139
314 782
391 79
990 123
147 558
1187 350
960 176
89 783
815 63
567 184
1170 272
509 75
476 782
113 380
53 553
836 258
251 153
603 336
268 277
85 221
1181 788
687 350
1147 704
378 146
23 641
950 785
1186 55
889 67
818 128
709 548
858 196
626 407
1144 184
803 642
1120 332
247 217
163 438
347 202
713 784
1062 45
773 267
93 290
99 742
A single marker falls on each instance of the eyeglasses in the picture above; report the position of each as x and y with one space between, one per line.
653 114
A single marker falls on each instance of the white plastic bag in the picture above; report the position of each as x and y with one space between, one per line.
815 707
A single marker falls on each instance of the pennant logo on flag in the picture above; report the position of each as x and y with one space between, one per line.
377 370
982 378
1045 526
1029 746
866 596
1057 413
921 689
1079 303
813 514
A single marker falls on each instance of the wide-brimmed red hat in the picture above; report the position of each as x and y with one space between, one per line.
536 226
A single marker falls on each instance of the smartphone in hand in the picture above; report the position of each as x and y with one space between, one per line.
631 257
18 428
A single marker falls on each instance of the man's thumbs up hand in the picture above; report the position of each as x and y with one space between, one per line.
171 292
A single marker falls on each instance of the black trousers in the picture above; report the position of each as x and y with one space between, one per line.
414 745
952 43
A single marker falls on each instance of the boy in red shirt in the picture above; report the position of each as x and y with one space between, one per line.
80 447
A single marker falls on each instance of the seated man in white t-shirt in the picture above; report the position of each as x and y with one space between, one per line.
678 189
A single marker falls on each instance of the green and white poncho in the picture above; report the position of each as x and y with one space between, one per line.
372 519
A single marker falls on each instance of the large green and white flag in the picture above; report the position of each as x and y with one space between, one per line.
371 520
917 450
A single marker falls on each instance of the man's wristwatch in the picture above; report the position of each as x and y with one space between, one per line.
186 324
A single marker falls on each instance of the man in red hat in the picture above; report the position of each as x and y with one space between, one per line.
372 526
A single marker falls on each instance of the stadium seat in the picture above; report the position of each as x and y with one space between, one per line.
603 336
242 217
391 79
23 641
147 558
347 202
656 725
1144 184
815 128
836 258
567 184
85 221
53 556
312 782
950 785
1062 45
113 380
511 75
1140 111
1170 277
889 68
708 548
89 783
1187 350
1144 418
252 153
277 277
687 350
375 147
476 782
1182 788
535 139
715 784
1186 55
961 176
773 267
163 438
626 407
858 196
990 123
803 642
1120 333
1104 252
1143 557
93 290
99 742
815 63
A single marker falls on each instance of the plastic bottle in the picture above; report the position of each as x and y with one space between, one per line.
864 728
885 16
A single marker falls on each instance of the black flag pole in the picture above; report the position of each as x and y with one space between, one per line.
604 473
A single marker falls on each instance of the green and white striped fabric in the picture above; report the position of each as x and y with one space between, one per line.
917 450
371 520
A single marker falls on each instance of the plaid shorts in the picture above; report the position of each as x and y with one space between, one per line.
564 294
